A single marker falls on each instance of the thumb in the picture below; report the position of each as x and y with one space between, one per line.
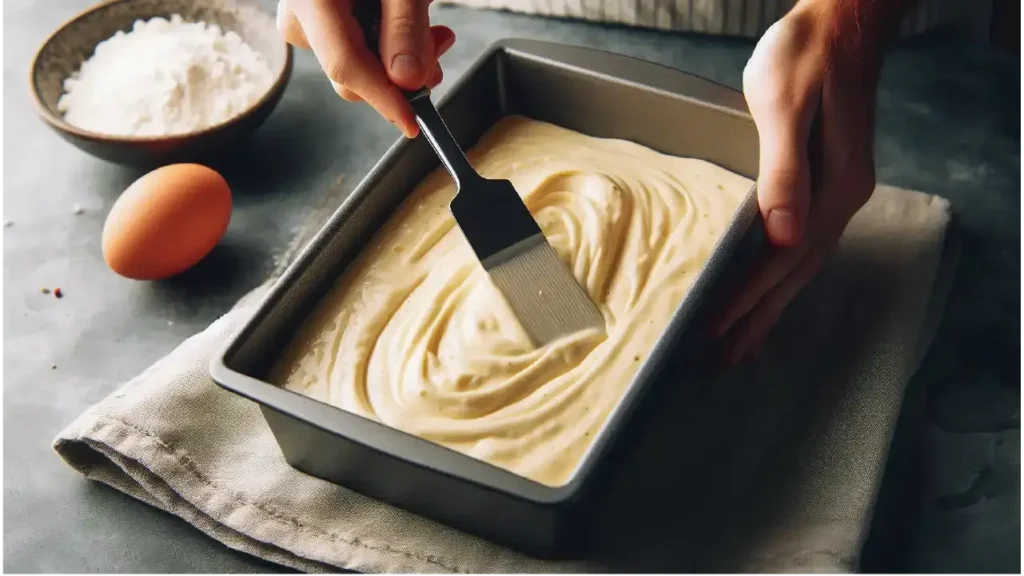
784 177
405 43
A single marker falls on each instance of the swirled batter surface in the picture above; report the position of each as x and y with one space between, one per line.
414 334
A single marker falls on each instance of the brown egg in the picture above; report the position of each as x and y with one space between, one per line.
166 222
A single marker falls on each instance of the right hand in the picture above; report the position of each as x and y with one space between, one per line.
817 60
409 51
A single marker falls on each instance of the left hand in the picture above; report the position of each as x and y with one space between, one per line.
798 70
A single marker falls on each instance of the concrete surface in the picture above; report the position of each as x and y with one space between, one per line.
948 124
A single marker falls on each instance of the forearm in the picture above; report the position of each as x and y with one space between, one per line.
859 28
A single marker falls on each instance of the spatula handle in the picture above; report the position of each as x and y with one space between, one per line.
368 14
441 140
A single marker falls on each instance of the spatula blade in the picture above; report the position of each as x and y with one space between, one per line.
542 292
540 288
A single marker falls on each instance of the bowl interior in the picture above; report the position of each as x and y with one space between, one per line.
65 51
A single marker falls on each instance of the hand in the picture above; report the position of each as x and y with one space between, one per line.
409 51
805 71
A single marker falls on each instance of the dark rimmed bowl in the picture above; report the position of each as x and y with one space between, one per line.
73 42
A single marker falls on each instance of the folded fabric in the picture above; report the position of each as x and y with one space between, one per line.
776 469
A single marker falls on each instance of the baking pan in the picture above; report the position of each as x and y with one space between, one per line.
592 92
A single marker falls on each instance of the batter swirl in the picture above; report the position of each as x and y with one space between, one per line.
414 334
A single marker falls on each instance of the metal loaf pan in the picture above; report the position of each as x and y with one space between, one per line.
592 92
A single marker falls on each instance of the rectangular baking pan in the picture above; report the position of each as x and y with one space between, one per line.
592 92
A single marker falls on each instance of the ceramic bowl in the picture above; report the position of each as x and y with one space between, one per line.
63 53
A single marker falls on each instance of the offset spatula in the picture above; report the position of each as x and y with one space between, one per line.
541 290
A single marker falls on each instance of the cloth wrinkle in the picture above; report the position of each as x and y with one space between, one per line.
189 464
781 470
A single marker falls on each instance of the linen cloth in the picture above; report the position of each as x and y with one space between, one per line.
741 18
776 468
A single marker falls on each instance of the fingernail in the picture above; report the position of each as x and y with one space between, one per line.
406 66
782 225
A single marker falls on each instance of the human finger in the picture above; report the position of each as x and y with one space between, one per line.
781 85
754 330
767 273
406 42
288 26
784 176
443 38
338 43
345 93
435 77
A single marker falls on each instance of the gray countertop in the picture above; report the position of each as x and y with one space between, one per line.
949 121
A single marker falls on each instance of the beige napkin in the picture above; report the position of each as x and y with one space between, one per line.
775 469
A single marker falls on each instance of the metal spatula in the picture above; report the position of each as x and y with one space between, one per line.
541 290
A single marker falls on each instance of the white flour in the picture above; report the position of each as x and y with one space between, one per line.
164 77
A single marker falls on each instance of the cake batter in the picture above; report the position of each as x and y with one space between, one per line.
414 334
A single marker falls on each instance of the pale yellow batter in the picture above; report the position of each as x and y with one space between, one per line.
414 334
